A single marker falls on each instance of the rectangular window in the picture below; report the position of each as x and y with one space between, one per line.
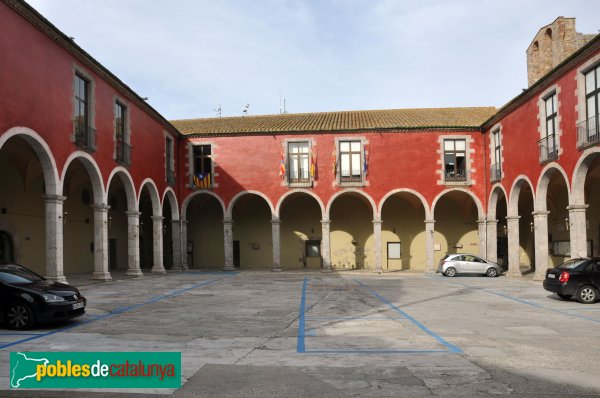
496 170
549 141
394 250
455 160
85 135
592 102
169 161
313 248
123 148
350 161
298 163
202 177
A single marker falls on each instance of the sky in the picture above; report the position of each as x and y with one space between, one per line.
191 56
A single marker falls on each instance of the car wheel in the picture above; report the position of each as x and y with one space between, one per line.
492 272
564 296
19 316
450 271
587 295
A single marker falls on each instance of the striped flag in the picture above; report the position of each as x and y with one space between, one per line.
366 163
313 166
202 180
334 164
282 165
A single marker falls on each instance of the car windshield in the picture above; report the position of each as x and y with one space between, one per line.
572 264
12 273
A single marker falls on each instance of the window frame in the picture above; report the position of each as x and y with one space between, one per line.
314 243
496 146
455 179
290 156
83 117
362 182
122 134
203 157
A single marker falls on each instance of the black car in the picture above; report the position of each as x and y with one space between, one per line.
27 298
578 277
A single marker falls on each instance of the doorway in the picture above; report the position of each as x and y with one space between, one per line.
7 250
236 253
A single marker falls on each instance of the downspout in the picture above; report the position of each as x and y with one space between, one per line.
486 181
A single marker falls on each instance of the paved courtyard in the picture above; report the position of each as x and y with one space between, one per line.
258 333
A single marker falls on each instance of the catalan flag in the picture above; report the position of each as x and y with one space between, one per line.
282 166
334 164
202 180
313 165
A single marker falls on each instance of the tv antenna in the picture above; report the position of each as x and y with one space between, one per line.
245 111
218 111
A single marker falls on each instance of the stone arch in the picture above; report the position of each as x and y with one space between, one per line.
301 191
351 190
153 191
169 195
92 169
480 212
43 152
406 190
127 181
188 199
242 193
493 200
580 172
515 190
544 180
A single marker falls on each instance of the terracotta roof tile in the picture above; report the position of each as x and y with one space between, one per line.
339 121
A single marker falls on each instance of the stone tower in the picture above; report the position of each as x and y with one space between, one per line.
552 45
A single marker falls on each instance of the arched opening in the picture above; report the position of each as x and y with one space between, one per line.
557 201
525 206
403 239
498 211
300 216
456 231
252 235
121 199
592 198
205 245
167 237
148 207
7 249
351 232
22 207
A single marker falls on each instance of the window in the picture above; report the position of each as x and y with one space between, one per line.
455 161
496 169
298 163
548 147
203 175
123 149
350 162
313 248
85 135
394 250
562 248
169 161
589 131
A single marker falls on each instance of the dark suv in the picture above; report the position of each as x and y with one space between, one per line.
578 277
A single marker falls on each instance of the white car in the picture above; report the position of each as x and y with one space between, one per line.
453 264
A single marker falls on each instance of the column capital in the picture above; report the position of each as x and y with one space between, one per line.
540 214
377 222
429 221
482 221
54 198
101 207
227 221
175 221
275 221
133 213
157 218
573 208
512 218
492 222
327 222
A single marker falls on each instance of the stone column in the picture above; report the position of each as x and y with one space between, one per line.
228 240
514 249
176 243
133 243
157 244
429 247
577 230
540 225
482 237
377 234
326 245
101 271
184 239
54 237
276 237
492 241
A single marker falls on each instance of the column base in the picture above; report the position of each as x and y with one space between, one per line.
158 270
429 272
134 272
101 276
276 269
326 270
514 274
176 268
377 271
228 268
60 279
538 277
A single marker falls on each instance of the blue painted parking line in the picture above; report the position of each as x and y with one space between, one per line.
20 334
449 346
351 318
118 311
300 347
207 272
526 302
374 351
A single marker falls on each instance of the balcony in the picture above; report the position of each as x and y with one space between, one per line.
588 132
548 149
171 177
455 175
85 136
354 176
299 180
123 153
495 172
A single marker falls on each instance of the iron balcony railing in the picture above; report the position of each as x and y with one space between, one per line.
588 132
548 149
299 179
495 172
351 176
85 136
171 177
456 175
123 153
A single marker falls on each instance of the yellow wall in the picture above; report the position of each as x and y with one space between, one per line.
300 218
557 206
205 230
593 214
351 219
456 226
526 236
252 227
78 228
118 223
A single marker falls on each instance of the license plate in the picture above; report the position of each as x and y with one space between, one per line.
551 276
77 306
